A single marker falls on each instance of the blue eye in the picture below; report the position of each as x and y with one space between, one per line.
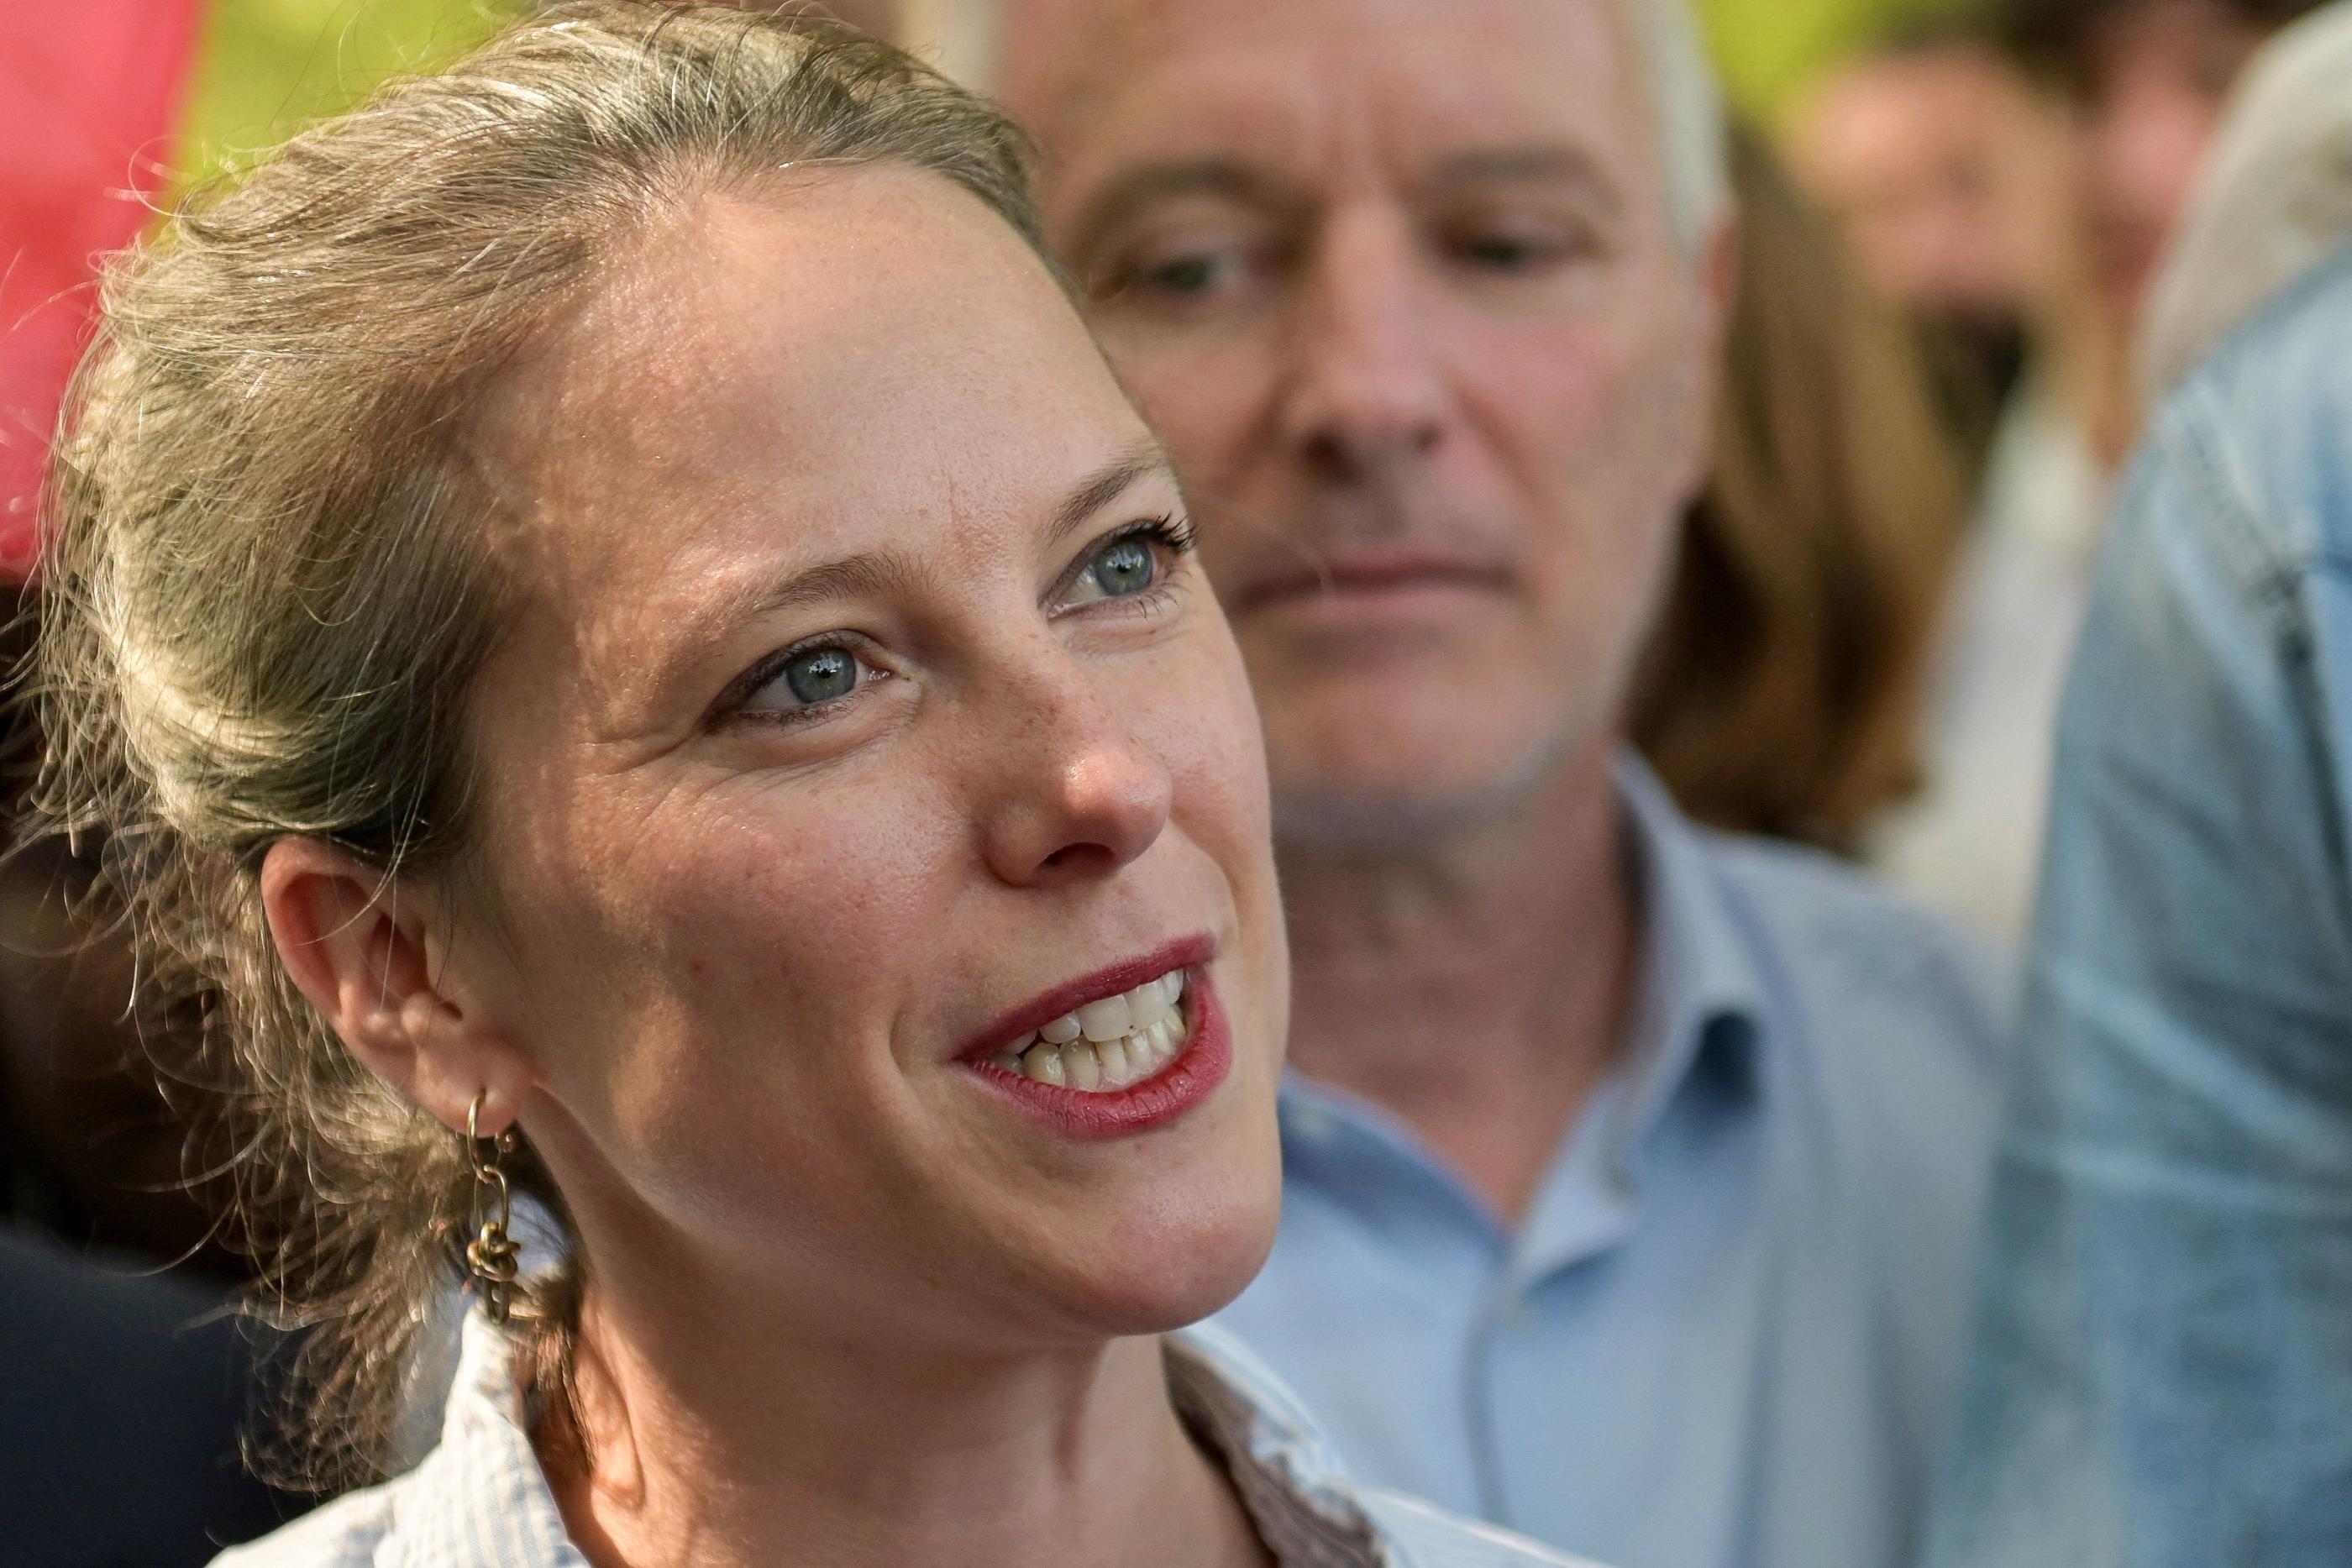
1124 567
821 674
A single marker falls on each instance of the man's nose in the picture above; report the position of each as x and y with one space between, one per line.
1075 792
1365 388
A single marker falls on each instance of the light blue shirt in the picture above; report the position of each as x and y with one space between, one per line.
1726 1335
2162 1371
479 1499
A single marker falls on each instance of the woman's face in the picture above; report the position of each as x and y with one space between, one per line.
862 716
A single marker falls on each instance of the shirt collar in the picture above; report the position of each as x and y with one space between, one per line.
1305 1511
1700 1017
480 1497
1701 1006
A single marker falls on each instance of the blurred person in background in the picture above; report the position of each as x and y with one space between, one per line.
2162 1357
1954 179
1946 173
2146 82
1781 690
1632 1170
2139 84
119 1412
2276 200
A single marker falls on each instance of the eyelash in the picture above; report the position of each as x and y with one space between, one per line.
731 707
1172 533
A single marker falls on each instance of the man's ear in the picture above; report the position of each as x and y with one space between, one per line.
1718 265
374 969
1714 289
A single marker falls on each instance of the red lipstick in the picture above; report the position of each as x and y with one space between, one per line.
1188 1078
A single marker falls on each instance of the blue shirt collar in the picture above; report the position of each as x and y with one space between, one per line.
1701 1008
1701 1016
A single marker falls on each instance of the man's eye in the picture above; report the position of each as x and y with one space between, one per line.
1505 253
1185 275
1509 247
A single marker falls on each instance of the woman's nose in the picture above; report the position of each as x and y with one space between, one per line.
1082 795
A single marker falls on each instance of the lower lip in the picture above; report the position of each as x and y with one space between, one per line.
1175 1089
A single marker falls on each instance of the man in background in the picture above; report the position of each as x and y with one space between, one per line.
1631 1170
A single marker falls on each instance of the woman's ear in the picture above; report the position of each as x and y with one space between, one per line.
374 970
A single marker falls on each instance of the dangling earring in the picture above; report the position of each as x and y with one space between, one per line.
491 1257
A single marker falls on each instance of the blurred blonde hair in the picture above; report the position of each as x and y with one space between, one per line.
1781 691
269 587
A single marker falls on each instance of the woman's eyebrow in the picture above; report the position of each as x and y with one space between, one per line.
1106 484
884 573
689 637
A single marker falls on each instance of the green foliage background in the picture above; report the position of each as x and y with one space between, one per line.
1770 51
266 66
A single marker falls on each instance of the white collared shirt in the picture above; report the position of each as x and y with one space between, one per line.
479 1499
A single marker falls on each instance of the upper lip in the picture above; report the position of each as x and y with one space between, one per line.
1366 569
1110 980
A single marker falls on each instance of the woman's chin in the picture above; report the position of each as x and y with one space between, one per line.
1168 1268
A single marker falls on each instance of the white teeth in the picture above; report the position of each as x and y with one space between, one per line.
1147 1051
1150 1005
1108 1045
1116 1066
1108 1019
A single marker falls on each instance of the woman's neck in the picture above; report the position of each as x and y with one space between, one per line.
763 1446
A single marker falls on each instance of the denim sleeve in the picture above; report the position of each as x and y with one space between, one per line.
2160 1373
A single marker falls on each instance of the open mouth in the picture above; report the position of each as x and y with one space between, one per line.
1127 1048
1107 1046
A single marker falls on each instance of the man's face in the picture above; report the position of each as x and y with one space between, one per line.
2154 79
1397 284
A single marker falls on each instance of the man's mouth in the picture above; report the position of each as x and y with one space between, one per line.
1365 579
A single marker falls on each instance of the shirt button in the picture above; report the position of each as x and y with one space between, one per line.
1517 1315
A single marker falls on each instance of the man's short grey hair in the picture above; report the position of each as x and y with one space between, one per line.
1685 101
1684 98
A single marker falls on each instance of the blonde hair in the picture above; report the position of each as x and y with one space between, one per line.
267 588
1782 689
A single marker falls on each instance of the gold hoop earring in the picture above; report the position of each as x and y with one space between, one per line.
492 1258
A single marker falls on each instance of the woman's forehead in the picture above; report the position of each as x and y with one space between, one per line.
837 342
